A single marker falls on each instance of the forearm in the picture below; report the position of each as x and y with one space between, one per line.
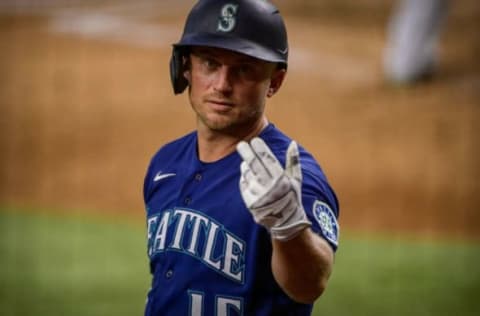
302 266
273 194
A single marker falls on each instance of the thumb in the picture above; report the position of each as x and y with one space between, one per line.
292 165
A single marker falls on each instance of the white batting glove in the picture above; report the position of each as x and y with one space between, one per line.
272 194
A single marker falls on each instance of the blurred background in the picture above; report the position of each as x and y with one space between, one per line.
85 101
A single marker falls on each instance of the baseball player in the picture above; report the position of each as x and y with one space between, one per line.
411 52
240 219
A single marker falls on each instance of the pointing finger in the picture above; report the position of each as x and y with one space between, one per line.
293 167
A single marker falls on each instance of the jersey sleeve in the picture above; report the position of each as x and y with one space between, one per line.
318 198
321 206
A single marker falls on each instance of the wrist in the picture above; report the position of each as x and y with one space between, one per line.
291 230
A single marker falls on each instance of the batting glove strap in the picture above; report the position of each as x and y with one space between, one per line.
284 218
287 232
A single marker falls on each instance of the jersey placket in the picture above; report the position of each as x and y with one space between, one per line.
186 196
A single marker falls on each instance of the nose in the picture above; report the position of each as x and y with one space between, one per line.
222 82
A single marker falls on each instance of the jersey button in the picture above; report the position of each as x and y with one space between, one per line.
187 201
198 176
169 274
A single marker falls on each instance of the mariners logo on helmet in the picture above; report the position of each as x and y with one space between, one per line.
227 18
327 221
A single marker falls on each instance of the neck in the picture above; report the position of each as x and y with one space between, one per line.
214 145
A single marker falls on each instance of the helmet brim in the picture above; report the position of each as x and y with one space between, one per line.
234 44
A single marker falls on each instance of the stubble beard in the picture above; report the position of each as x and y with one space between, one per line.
231 125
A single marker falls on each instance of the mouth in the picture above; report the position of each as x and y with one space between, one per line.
220 101
220 105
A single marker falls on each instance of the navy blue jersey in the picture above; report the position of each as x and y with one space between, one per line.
207 254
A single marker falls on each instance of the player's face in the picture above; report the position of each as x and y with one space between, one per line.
228 90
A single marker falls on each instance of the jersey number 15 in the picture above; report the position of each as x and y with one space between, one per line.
224 306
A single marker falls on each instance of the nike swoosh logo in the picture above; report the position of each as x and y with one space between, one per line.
161 176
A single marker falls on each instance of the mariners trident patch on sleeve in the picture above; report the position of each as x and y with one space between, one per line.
327 221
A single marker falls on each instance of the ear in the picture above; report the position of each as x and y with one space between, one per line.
276 81
187 74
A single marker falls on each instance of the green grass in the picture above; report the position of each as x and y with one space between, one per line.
57 265
69 265
392 276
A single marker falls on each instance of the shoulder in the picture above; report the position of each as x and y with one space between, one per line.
279 142
315 183
179 143
170 156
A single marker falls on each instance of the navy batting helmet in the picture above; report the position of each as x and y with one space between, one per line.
251 27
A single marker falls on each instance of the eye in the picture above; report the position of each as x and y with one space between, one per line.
248 71
209 63
245 69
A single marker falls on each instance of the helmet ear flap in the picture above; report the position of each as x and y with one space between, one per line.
177 69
